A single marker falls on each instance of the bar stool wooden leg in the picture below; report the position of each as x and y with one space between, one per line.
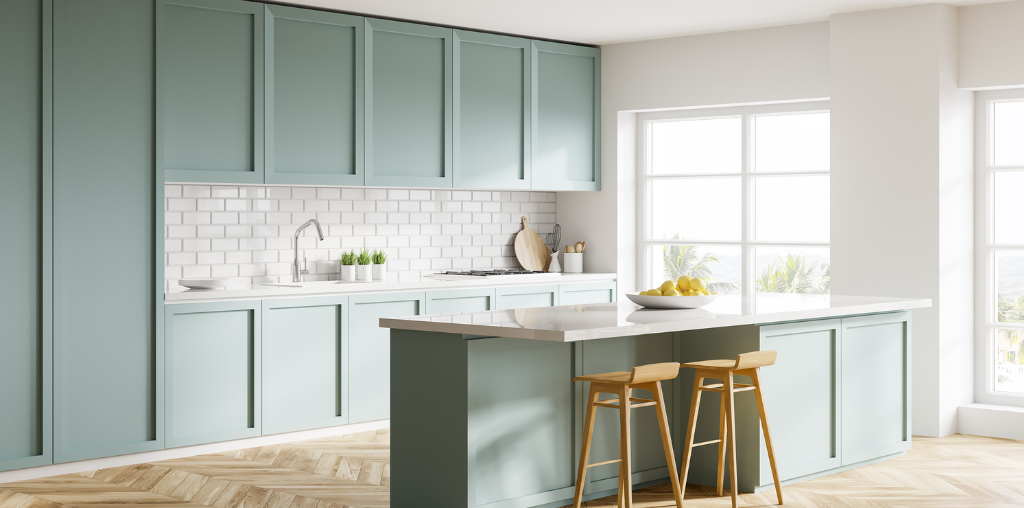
691 428
730 412
588 435
624 451
621 502
722 435
755 378
666 442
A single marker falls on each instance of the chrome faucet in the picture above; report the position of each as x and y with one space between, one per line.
296 271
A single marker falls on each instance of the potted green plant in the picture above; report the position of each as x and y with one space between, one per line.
380 268
363 266
348 266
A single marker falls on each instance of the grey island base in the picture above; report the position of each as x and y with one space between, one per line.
484 411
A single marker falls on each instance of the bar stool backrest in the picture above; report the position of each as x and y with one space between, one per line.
654 372
755 359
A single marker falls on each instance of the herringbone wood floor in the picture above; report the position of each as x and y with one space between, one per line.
354 471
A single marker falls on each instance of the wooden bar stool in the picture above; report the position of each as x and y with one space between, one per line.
646 377
746 364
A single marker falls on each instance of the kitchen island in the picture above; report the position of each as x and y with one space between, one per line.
484 411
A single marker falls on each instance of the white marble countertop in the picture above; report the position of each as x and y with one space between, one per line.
570 323
261 291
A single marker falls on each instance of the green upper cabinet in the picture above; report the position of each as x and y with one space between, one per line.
107 219
491 112
408 104
25 344
566 117
210 89
314 97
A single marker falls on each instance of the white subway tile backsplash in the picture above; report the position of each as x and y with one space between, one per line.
245 232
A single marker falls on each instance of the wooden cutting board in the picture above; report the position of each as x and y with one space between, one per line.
531 251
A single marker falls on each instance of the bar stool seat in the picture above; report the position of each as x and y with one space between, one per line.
746 364
646 377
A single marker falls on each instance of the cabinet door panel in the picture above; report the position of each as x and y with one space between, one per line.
566 117
211 52
491 112
875 386
806 428
579 294
304 382
460 300
213 372
25 183
370 351
522 297
314 110
108 374
408 104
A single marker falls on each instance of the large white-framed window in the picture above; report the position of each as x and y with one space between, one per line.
999 255
738 196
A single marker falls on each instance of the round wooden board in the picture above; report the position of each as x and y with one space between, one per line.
531 251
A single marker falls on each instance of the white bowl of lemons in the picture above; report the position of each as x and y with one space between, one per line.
685 293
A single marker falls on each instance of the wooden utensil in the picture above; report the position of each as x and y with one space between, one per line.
584 247
531 251
579 247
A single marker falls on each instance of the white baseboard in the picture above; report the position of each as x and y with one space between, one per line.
186 451
1006 422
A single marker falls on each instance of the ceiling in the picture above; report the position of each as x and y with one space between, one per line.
609 21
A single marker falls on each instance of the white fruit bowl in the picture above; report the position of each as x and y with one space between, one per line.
671 302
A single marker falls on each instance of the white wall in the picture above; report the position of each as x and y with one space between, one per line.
749 66
902 213
992 45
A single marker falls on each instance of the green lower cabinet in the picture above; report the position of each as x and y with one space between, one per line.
523 297
459 300
876 386
305 382
802 398
369 361
591 292
213 358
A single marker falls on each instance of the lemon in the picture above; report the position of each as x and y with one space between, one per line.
654 292
697 285
667 285
670 292
642 293
684 282
705 292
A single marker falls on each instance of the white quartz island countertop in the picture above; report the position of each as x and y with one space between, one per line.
180 295
570 323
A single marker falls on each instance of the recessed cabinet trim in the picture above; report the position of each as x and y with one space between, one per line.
254 173
351 170
463 178
376 174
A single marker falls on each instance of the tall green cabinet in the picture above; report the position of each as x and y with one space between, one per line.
25 165
107 223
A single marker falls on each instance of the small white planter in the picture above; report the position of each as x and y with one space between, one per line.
380 272
573 262
364 272
348 272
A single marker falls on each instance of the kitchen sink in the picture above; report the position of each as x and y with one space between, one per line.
315 283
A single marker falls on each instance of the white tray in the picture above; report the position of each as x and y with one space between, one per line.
671 302
204 283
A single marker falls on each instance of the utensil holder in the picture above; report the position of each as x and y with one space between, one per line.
573 262
348 272
380 272
364 273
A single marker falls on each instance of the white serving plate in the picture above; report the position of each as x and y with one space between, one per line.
671 302
204 283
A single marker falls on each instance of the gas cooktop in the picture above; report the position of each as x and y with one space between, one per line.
488 273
